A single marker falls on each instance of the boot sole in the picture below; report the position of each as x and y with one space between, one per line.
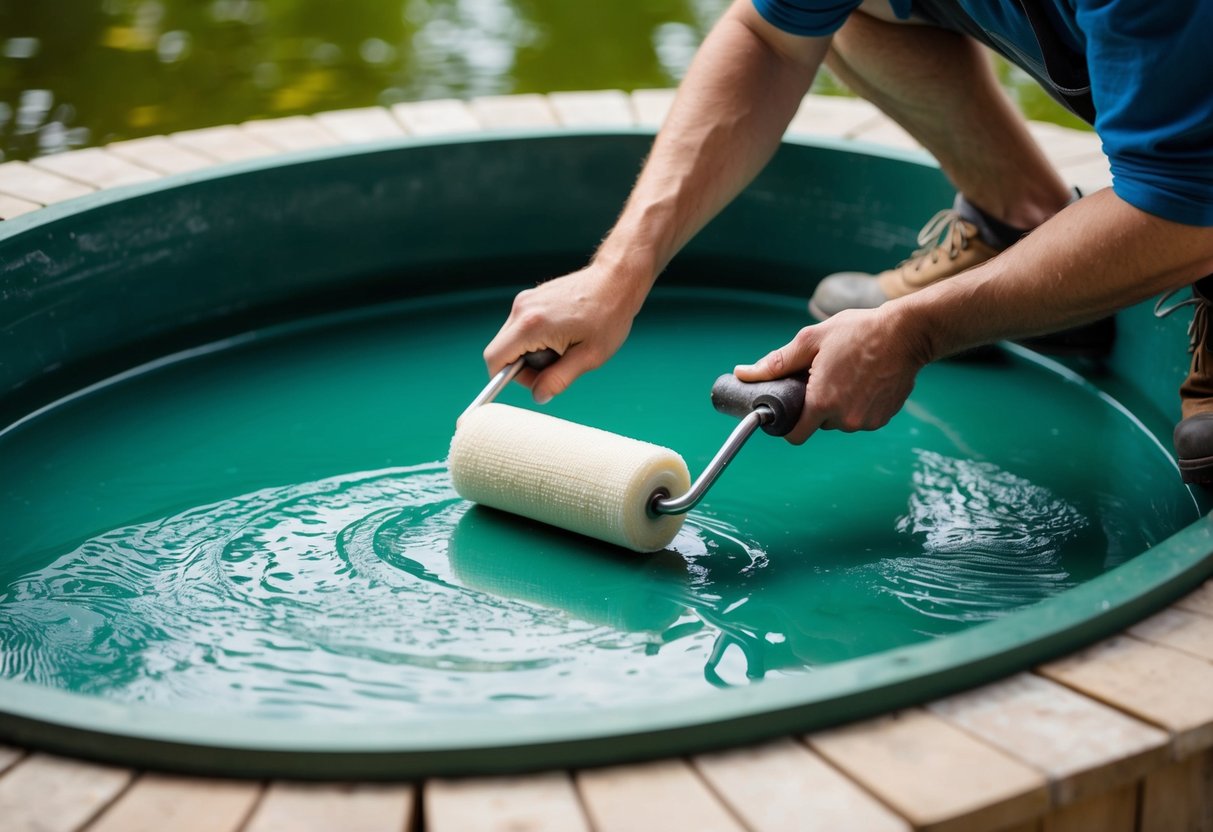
1197 471
816 312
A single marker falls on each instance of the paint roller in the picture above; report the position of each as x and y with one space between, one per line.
620 490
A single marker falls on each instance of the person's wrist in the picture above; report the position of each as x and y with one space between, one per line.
625 277
909 326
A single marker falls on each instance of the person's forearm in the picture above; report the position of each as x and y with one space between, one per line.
744 85
730 113
1098 255
1095 257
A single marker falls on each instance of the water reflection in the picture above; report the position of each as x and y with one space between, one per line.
975 542
124 68
369 592
75 74
586 579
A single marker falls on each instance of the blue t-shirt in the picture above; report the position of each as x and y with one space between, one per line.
1151 69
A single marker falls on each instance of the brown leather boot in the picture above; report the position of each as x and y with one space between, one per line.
950 243
1194 434
953 241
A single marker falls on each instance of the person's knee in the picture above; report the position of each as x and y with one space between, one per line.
860 49
871 50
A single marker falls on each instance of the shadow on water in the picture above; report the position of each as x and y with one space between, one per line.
507 556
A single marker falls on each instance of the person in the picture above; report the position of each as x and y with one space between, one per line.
1139 70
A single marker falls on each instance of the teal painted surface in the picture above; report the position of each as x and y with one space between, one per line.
336 228
270 530
208 498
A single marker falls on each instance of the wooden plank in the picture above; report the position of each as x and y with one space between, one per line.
1163 686
537 803
1179 797
1115 811
55 794
26 182
1090 175
291 133
161 155
441 117
664 796
513 111
320 807
183 804
934 774
652 106
1063 145
1200 601
366 124
225 144
832 115
95 167
9 756
1180 629
785 787
1085 748
11 207
1029 826
600 108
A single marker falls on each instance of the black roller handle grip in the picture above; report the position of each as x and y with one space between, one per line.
541 359
784 396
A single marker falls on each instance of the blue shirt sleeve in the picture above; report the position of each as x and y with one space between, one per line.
813 18
1151 66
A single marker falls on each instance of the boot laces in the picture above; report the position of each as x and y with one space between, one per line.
1198 328
945 228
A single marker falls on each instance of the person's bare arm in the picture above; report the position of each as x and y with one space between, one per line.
742 89
1098 255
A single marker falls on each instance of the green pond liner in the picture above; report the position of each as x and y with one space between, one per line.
231 546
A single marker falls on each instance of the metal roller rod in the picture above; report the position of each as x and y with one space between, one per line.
537 360
496 384
662 503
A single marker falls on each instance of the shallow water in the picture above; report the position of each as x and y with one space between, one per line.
269 529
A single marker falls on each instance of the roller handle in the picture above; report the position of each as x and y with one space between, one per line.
541 359
784 397
537 360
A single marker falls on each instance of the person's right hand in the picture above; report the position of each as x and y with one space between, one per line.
585 316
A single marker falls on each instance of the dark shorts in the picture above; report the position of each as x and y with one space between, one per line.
1063 74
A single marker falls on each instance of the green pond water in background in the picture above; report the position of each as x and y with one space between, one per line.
76 73
268 528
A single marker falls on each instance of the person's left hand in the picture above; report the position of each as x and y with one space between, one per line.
862 365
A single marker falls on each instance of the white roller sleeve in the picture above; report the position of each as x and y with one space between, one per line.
568 475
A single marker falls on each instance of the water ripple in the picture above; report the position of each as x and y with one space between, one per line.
991 541
339 590
381 593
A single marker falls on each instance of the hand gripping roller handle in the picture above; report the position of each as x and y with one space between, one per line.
775 406
535 360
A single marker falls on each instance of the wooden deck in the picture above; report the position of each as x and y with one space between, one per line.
1116 737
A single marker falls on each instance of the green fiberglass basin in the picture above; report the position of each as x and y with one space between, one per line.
231 545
